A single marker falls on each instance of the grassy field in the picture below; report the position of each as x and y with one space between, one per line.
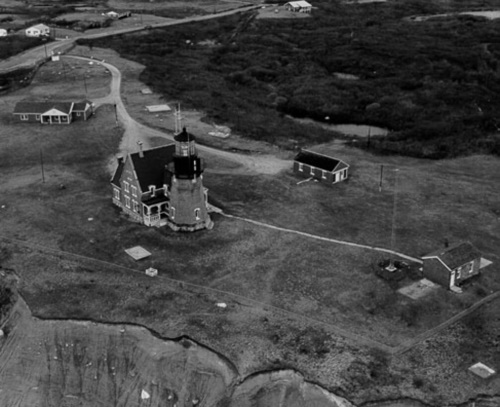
330 283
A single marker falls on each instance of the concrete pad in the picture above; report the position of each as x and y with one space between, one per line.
137 253
158 108
418 289
481 370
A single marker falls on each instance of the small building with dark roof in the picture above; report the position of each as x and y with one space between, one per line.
163 186
52 112
330 170
451 266
82 110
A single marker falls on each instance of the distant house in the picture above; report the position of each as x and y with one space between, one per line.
111 14
3 32
39 30
451 266
309 164
52 112
298 6
125 14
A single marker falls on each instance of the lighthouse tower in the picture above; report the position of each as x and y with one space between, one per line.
187 196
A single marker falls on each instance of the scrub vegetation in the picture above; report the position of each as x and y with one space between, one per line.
433 83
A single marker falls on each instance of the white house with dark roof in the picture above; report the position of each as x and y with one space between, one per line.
298 6
309 164
163 186
53 112
39 30
452 265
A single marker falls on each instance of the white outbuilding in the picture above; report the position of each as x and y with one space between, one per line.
299 6
39 30
3 32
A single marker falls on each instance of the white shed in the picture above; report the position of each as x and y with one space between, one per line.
3 32
38 30
299 6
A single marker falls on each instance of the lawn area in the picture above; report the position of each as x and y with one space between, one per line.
334 284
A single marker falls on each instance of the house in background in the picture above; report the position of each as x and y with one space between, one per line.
164 186
3 32
39 30
298 6
452 265
111 14
53 112
309 164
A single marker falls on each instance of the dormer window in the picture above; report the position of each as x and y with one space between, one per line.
152 190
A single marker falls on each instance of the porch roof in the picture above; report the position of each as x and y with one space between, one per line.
155 200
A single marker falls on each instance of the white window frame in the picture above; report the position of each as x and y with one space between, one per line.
197 213
135 206
323 174
134 190
172 212
301 167
127 202
37 117
312 170
24 117
126 186
116 193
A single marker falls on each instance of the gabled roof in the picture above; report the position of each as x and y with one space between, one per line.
455 255
118 172
301 4
58 110
320 161
81 106
42 107
150 168
38 27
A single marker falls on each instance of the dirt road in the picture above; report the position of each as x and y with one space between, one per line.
136 132
30 57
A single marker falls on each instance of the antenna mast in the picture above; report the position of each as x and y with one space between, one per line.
178 119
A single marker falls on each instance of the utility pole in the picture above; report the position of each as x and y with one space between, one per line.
41 165
85 84
391 266
381 176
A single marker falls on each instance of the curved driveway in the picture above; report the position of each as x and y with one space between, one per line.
134 132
